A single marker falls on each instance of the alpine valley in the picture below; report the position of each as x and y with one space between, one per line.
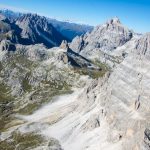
69 86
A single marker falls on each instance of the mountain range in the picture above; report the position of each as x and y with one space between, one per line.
69 86
67 29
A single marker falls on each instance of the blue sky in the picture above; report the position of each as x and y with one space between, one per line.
133 13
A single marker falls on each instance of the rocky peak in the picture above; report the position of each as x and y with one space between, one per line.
106 37
33 21
32 18
64 45
113 25
114 20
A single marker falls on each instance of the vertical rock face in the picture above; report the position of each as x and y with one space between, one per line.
128 86
143 45
106 37
78 43
147 138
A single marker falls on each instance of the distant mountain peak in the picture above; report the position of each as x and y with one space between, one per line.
114 25
66 28
11 15
37 29
114 20
105 37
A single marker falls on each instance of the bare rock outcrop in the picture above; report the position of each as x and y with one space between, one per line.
6 45
64 45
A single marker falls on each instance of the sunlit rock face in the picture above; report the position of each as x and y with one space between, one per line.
106 37
122 100
104 41
64 45
6 45
128 87
143 45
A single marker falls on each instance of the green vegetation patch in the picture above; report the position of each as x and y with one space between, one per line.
93 73
1 66
21 141
29 108
25 85
6 105
5 96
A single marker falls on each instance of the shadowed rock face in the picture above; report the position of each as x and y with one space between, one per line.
29 29
9 31
147 137
74 58
67 29
106 37
36 29
70 30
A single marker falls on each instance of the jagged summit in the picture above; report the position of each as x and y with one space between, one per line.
67 29
113 24
105 37
64 45
31 17
29 29
37 29
114 20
